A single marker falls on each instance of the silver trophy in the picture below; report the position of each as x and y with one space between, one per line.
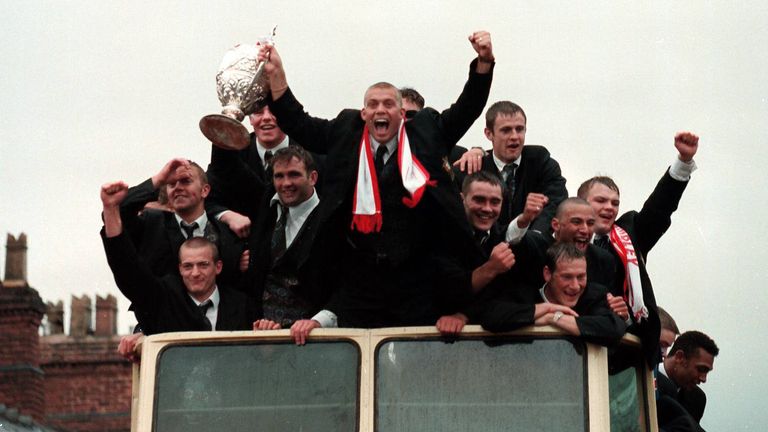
242 86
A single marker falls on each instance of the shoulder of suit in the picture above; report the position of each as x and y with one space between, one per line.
535 152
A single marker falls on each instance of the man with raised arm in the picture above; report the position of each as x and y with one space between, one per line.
157 235
630 237
388 198
191 301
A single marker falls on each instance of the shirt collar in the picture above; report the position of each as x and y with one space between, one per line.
299 211
202 221
214 298
391 146
543 296
500 164
260 148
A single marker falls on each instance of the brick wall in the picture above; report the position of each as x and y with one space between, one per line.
21 379
87 384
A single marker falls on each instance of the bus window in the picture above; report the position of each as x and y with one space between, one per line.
481 385
257 386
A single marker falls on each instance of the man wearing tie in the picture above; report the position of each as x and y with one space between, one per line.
630 237
157 235
188 301
285 267
524 169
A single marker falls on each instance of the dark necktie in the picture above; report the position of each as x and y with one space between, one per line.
278 236
509 171
189 229
203 309
602 242
267 157
378 161
481 237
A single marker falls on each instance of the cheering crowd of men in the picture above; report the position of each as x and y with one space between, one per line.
377 219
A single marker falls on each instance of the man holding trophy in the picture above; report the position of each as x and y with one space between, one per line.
387 198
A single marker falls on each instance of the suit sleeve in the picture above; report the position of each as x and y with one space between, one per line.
655 217
135 200
234 185
132 275
459 117
313 133
597 323
552 184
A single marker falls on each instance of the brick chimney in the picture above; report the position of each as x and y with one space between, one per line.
106 315
80 317
21 311
54 312
15 261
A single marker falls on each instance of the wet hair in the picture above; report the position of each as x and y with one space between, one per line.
585 187
481 176
412 96
505 108
284 155
200 242
386 85
569 202
667 322
689 343
562 251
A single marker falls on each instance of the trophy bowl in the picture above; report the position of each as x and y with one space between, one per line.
242 86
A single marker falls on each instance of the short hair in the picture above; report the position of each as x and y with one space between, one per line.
667 322
481 176
200 242
200 172
562 251
412 96
569 202
583 191
689 343
506 108
284 155
385 85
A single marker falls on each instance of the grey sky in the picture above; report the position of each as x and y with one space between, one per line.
101 91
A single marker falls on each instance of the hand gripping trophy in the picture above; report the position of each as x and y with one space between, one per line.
242 86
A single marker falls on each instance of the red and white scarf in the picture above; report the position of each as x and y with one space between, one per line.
633 288
366 206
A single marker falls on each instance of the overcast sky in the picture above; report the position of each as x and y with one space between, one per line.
100 91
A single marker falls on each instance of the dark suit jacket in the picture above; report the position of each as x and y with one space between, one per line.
692 402
157 235
531 256
312 265
162 304
515 308
431 134
455 261
538 173
645 228
244 194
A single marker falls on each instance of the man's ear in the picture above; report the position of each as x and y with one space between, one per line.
488 134
547 274
313 177
555 226
205 191
219 266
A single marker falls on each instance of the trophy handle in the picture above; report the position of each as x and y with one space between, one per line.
224 132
